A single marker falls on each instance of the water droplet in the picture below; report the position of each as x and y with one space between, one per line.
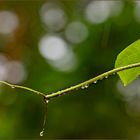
12 86
106 76
82 87
95 82
86 86
114 73
47 101
41 133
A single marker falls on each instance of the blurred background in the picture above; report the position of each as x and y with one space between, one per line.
50 45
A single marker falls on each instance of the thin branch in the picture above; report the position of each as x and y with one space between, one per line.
91 81
22 87
76 87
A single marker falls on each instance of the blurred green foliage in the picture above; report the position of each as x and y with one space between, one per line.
97 112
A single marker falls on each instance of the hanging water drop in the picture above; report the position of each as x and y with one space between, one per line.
12 86
47 101
82 87
106 76
86 86
41 133
95 82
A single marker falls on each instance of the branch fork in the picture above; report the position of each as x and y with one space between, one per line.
75 87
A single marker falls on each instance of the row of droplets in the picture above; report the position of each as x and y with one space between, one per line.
87 85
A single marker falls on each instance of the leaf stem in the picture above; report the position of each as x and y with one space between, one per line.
76 87
91 81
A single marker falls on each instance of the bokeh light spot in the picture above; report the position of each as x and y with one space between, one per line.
8 22
99 11
131 94
16 72
3 70
57 52
76 32
53 17
68 63
52 47
137 11
130 91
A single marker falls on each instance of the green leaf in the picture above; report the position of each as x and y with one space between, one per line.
129 55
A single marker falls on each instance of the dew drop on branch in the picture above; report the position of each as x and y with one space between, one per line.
86 86
47 101
95 82
12 86
82 87
106 76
